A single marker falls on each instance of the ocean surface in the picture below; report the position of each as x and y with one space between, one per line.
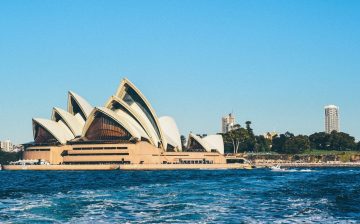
198 196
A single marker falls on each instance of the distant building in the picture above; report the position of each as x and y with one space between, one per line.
270 135
227 123
6 146
18 148
332 119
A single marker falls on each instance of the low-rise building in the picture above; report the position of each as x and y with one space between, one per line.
270 135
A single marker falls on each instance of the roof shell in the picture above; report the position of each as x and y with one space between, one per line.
199 140
117 118
70 120
135 112
210 142
215 142
132 122
121 93
58 130
85 107
171 131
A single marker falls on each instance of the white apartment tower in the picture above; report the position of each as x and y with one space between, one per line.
332 119
227 123
6 146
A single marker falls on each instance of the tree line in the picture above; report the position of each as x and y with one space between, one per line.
6 157
243 139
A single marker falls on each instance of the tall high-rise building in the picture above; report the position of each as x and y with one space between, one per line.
227 123
332 119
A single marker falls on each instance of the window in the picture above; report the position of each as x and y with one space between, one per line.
241 161
105 128
99 154
132 97
38 150
43 136
76 108
195 146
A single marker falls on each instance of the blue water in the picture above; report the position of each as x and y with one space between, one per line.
202 196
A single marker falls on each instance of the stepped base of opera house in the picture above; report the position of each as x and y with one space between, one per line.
133 167
125 156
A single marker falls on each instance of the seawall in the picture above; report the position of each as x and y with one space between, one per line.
129 167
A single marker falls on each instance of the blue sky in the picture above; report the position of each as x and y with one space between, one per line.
275 63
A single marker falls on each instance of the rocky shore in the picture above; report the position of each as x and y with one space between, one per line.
307 165
303 161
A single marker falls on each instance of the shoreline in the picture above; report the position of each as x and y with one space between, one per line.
159 167
132 167
308 165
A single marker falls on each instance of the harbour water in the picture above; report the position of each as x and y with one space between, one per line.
197 196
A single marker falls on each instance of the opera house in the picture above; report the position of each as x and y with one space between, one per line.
124 134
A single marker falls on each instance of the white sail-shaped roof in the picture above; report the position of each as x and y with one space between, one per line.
74 101
215 142
115 103
132 122
57 129
131 95
209 142
121 120
73 123
171 131
199 140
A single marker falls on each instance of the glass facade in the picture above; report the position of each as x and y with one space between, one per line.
42 136
76 108
195 146
105 128
132 97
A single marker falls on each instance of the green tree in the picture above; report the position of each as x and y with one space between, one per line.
237 138
290 144
296 144
183 141
243 139
251 141
6 157
342 141
333 141
249 129
278 143
262 144
233 138
320 140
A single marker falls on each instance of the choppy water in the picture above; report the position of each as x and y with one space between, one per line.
205 196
